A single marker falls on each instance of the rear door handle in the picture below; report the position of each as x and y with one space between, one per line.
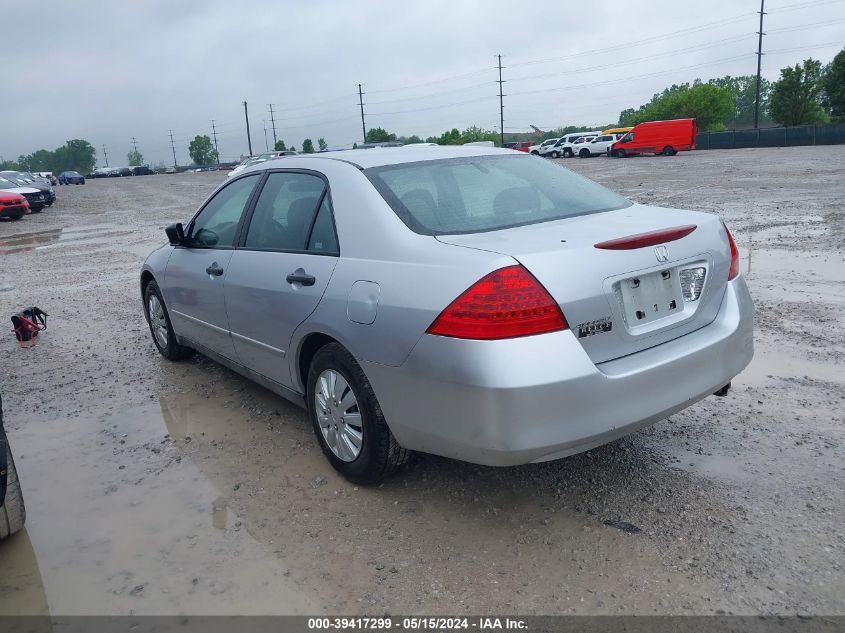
214 269
300 276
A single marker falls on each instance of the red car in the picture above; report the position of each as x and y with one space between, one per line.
656 137
520 146
13 206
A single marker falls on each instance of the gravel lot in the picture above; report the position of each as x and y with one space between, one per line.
161 488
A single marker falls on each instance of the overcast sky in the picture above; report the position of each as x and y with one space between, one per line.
106 71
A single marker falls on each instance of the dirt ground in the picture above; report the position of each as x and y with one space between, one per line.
162 488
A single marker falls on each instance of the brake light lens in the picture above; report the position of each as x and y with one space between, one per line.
651 238
734 270
507 303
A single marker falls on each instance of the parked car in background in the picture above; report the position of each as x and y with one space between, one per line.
13 206
12 510
142 170
520 146
26 179
34 197
513 347
71 178
596 147
48 175
537 150
260 158
621 131
563 146
169 170
657 137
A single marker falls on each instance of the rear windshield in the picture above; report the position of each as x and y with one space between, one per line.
487 193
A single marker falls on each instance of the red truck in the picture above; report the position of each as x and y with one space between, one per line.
656 137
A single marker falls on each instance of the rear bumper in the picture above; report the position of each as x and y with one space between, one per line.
516 401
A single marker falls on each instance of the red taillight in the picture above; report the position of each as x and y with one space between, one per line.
651 238
734 270
507 303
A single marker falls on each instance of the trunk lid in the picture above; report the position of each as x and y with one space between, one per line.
618 302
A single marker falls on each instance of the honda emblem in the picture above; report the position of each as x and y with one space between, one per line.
661 253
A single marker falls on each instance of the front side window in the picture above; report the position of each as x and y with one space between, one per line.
486 193
284 212
216 225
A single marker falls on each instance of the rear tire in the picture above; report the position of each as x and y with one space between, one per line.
555 154
12 512
584 153
669 151
160 327
567 153
379 454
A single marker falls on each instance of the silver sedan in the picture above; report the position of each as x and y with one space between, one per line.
477 303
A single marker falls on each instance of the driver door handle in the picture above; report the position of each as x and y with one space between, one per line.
214 269
300 276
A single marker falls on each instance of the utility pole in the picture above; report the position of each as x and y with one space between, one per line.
266 144
501 105
248 137
361 103
134 144
273 124
173 147
214 133
106 155
759 61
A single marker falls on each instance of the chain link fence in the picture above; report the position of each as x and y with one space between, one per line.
773 137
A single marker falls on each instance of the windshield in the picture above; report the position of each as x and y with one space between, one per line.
7 184
487 193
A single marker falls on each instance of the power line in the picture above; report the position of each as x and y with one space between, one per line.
501 105
248 137
759 64
361 103
273 122
173 147
214 133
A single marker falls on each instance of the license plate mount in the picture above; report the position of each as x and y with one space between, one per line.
651 297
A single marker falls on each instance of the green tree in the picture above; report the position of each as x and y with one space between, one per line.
76 155
135 158
407 140
201 150
9 165
293 148
280 146
743 89
834 85
321 143
307 146
796 97
711 106
379 135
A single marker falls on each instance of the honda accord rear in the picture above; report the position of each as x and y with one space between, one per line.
476 303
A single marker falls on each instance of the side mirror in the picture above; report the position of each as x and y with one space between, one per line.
175 234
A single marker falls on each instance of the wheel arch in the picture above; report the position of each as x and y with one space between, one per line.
308 347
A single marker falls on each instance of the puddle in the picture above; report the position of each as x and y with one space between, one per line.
771 363
118 520
28 241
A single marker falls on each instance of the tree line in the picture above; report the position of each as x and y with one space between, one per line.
804 94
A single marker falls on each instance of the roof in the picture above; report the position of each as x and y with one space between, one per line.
380 156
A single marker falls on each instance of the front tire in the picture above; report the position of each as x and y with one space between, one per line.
555 154
584 153
347 418
567 153
160 327
619 153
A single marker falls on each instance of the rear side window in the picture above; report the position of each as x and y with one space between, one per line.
323 239
284 212
486 193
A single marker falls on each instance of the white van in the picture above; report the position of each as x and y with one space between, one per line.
563 147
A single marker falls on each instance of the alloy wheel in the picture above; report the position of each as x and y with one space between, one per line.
158 322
